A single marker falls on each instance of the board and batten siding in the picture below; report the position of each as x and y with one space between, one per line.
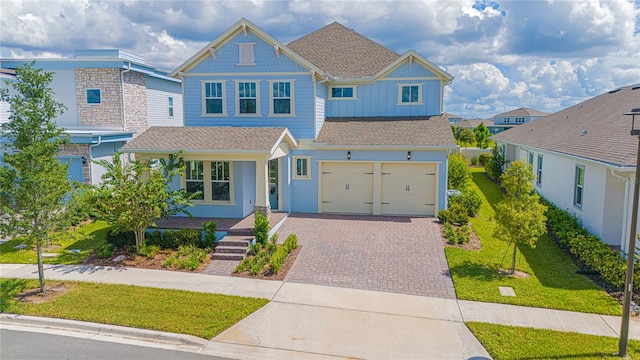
64 86
158 93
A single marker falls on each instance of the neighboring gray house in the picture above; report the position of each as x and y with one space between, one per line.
110 96
584 160
474 123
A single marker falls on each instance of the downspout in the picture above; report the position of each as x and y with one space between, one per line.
625 238
91 154
124 108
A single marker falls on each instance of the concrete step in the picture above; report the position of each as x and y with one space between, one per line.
231 249
240 232
241 241
227 256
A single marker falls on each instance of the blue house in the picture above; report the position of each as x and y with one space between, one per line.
509 119
110 96
329 123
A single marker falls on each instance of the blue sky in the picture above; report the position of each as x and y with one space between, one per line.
546 55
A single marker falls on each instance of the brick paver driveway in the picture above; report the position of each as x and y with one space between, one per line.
383 253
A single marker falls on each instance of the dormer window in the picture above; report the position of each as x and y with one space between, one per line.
246 54
410 94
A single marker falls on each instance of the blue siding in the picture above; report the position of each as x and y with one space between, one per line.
407 71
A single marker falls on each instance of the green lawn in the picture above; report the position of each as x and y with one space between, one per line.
553 282
86 238
178 311
508 342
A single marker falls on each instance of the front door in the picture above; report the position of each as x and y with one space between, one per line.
273 184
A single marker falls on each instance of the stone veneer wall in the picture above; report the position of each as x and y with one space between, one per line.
78 150
135 100
109 111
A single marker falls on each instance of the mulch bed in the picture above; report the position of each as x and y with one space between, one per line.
142 262
53 291
267 275
474 243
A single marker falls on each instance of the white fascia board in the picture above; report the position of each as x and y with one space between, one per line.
446 77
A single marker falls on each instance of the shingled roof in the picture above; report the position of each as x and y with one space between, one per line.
342 52
523 111
213 138
387 131
594 129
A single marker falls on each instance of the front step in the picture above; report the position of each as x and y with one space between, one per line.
232 248
227 256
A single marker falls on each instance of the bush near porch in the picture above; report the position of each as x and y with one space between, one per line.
552 281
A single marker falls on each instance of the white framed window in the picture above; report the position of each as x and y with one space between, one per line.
170 105
94 96
213 98
302 167
409 94
247 98
578 188
281 94
213 179
246 56
342 93
539 171
531 158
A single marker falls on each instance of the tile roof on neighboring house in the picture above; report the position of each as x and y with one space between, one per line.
523 111
212 138
387 131
342 52
595 129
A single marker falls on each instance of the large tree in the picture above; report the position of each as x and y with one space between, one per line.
482 136
33 182
519 215
466 136
136 193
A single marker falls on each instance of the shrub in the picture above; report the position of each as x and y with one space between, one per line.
154 238
149 251
474 161
449 233
187 257
277 259
456 214
456 235
469 199
121 239
210 237
255 249
106 251
494 167
173 239
270 255
483 158
290 243
458 174
261 228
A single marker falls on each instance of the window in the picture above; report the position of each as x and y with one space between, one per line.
579 186
246 54
347 93
195 178
302 168
93 96
539 172
531 158
247 99
281 98
214 99
410 94
220 181
170 106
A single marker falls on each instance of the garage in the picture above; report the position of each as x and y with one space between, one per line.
347 187
408 189
379 188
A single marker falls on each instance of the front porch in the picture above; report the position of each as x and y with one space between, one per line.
233 227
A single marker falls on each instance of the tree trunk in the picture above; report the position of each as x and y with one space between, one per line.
139 239
40 267
513 261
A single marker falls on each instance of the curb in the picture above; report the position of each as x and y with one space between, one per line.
105 330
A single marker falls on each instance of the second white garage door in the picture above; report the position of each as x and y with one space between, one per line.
408 189
347 188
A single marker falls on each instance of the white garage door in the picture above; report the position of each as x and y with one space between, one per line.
347 187
408 189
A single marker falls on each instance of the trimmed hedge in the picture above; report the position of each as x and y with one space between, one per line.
170 239
588 248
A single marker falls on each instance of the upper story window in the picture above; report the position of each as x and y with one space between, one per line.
507 120
302 168
213 102
281 98
246 54
94 96
410 94
247 100
343 93
578 188
170 106
195 178
539 171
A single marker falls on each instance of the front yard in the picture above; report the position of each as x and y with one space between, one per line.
552 281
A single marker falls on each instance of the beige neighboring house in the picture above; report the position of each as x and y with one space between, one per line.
584 160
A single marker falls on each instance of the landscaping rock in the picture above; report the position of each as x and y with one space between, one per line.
49 255
119 258
21 246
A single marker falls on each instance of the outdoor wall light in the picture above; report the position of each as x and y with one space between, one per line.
349 155
408 155
84 160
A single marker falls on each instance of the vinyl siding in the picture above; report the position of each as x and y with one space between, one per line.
158 92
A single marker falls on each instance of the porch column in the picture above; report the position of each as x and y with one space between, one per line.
262 205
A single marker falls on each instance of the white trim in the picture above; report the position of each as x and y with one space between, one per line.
411 78
194 74
539 170
576 186
400 86
353 87
237 98
170 107
294 169
292 108
203 110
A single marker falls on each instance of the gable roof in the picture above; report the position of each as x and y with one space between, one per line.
405 132
473 123
342 52
209 139
595 129
523 111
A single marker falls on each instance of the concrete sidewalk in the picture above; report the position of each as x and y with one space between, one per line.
313 321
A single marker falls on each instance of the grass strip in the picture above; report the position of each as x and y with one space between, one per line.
200 314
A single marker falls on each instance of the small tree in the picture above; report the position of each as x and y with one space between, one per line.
494 167
466 136
134 195
33 182
482 136
456 132
458 174
519 215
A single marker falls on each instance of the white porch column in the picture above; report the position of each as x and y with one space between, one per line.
262 205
